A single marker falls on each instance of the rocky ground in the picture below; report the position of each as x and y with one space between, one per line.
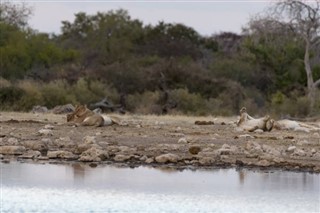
174 141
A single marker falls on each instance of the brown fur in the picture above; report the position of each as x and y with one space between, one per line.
248 123
85 117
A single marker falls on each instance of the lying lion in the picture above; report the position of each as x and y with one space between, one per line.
248 123
293 125
85 117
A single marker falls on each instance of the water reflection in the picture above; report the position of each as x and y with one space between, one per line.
148 188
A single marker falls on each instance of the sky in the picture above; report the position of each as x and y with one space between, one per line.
207 17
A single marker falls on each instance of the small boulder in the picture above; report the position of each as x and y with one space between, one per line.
31 154
45 132
167 158
61 155
121 158
94 155
12 150
194 150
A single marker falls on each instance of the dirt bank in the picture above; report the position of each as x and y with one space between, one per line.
174 141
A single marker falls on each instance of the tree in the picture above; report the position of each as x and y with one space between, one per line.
15 14
302 19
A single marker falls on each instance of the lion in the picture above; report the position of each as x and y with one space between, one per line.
293 125
85 117
248 123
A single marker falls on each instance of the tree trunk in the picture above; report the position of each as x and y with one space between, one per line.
310 82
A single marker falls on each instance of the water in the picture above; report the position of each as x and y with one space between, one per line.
52 188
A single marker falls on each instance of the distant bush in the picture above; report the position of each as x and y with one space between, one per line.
32 95
145 103
9 96
57 93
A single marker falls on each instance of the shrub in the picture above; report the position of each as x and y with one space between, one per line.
32 95
9 96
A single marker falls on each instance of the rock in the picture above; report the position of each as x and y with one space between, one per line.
149 160
194 150
36 145
270 150
316 134
143 158
31 154
246 136
253 146
291 149
13 141
226 150
39 109
263 163
48 126
64 142
61 155
206 161
258 131
84 147
12 150
167 158
1 156
299 153
62 109
43 158
94 154
89 139
45 132
182 140
303 142
121 158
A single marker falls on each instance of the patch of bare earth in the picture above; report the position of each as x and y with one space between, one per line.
174 141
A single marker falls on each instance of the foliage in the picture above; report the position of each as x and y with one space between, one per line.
147 67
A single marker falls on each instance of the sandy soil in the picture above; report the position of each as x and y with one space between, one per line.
174 141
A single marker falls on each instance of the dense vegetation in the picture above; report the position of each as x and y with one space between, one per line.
166 68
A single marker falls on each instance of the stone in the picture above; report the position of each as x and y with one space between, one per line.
12 150
246 136
194 150
149 160
61 155
48 126
13 141
94 154
121 158
39 109
263 163
182 140
206 161
36 145
167 158
89 139
291 149
299 153
31 154
45 132
1 156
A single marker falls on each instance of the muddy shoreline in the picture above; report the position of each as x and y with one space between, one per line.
176 142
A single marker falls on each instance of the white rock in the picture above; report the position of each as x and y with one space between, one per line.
167 158
46 132
182 140
246 136
13 141
48 126
291 148
89 139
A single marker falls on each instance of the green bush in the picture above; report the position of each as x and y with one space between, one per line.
9 96
145 103
57 93
32 95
